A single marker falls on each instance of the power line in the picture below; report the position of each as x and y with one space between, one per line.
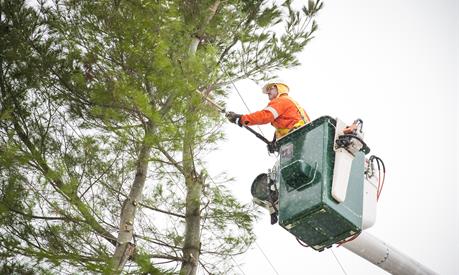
211 231
342 268
237 265
272 266
248 109
267 258
240 96
232 82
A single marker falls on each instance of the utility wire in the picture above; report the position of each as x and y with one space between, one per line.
212 180
342 268
243 101
237 265
248 109
240 96
266 257
211 231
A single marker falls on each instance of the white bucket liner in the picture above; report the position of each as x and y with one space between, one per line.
342 168
341 172
370 186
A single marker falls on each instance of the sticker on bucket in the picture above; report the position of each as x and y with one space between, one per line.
286 152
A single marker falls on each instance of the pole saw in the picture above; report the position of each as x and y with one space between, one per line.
223 111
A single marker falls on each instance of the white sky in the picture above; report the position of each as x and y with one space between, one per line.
395 64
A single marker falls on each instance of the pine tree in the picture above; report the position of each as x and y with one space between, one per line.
103 132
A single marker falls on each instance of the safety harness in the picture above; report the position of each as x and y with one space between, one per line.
280 132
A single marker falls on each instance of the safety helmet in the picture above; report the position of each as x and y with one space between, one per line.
282 88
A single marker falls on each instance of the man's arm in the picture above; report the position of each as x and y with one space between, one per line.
260 117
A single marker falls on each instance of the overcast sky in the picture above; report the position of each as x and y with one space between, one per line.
395 64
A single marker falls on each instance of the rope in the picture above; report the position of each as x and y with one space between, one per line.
342 268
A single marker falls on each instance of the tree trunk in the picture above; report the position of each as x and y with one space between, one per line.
125 248
193 181
191 247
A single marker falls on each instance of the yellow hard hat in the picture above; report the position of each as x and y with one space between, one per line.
282 88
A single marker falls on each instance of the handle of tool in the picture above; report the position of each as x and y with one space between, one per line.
258 135
222 110
219 108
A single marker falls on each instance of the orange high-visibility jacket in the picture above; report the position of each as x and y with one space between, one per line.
282 112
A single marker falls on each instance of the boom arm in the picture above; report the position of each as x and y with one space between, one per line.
385 256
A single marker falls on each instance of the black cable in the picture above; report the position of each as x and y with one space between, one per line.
379 163
382 163
365 147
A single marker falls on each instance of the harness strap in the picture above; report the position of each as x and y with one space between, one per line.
280 132
303 114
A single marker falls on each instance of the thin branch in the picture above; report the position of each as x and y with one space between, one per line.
171 159
162 211
42 217
145 205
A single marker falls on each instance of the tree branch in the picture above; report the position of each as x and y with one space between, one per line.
43 217
171 159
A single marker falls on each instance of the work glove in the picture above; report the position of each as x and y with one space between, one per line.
234 118
350 129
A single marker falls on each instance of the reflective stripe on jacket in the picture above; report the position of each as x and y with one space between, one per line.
282 112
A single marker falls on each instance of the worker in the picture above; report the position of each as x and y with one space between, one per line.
284 113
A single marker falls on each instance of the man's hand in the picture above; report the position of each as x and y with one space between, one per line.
233 117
